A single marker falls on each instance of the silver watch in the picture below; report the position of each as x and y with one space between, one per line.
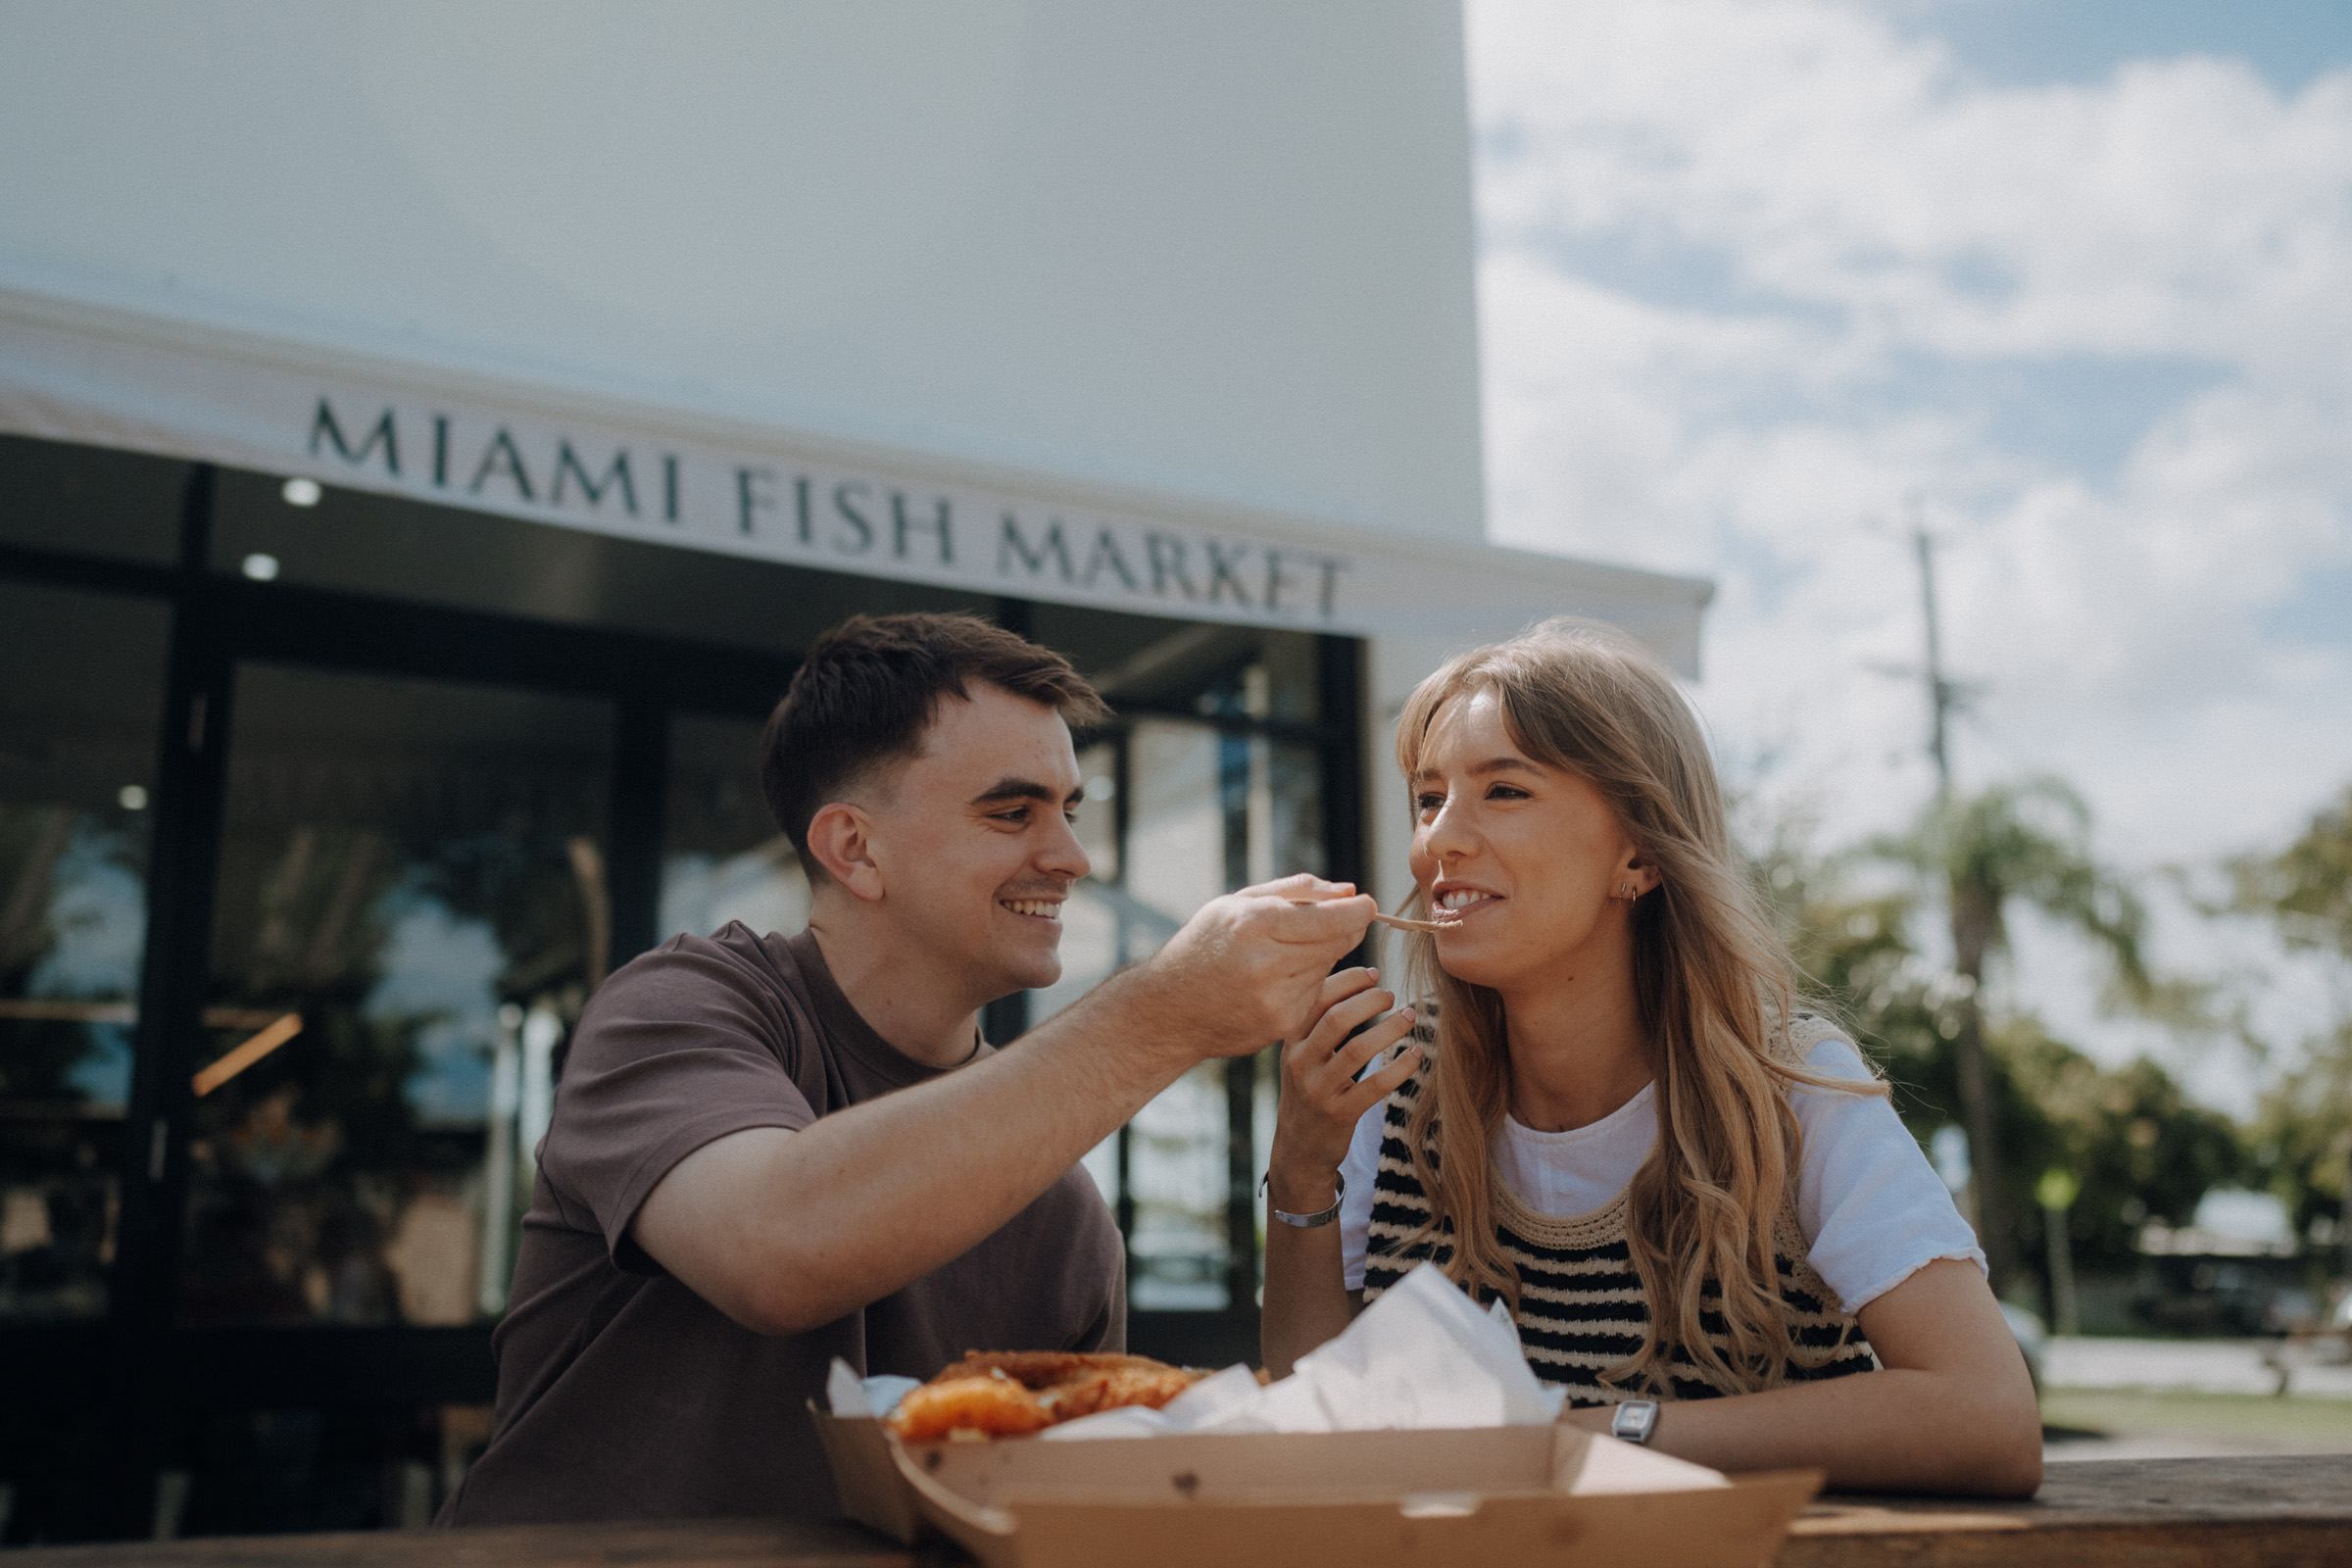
1634 1420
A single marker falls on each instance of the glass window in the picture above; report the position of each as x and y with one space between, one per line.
89 501
78 715
723 858
412 908
1178 812
1176 828
1179 1189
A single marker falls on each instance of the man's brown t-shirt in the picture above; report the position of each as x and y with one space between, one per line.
622 1393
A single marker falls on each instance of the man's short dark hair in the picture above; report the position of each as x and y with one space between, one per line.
867 691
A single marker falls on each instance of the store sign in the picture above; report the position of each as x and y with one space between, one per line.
77 373
813 515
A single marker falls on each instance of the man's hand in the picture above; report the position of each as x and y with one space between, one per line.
1248 968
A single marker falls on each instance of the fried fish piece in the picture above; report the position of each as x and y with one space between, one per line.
1153 1387
991 1403
1046 1369
1010 1393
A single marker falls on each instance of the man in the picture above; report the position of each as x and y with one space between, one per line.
770 1150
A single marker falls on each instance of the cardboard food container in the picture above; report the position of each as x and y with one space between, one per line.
1413 1499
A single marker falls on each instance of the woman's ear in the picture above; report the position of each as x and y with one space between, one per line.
1637 872
840 836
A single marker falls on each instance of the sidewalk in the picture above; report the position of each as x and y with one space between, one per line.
2208 1366
2187 1400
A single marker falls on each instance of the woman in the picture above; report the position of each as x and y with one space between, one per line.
1692 1193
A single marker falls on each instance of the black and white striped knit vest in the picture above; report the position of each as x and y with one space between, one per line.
1581 1303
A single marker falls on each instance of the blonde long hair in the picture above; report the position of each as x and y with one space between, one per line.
1715 985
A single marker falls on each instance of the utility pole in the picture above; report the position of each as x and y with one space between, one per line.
1976 915
1940 693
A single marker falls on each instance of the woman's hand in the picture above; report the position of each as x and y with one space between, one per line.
1321 1100
1306 1294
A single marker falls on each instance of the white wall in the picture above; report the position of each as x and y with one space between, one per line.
1219 249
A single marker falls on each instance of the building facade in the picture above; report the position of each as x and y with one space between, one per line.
428 438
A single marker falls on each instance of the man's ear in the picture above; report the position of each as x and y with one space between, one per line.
841 838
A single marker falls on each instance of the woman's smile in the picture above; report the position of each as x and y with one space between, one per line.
1459 901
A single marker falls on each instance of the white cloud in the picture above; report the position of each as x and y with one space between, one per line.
2172 210
1756 272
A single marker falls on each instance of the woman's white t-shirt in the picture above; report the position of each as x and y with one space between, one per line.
1872 1209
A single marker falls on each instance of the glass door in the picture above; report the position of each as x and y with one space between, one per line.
1211 777
78 724
413 905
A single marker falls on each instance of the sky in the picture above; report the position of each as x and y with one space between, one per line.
2069 281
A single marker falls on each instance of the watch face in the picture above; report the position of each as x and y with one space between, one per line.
1632 1421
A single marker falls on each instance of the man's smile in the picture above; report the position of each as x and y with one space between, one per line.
1034 909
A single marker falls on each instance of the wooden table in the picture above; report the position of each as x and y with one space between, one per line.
2232 1512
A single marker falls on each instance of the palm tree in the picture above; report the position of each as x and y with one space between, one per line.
2030 841
2306 1117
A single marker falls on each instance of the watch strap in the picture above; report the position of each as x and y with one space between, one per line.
1321 1216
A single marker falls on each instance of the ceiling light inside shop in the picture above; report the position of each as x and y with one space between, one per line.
132 798
259 567
302 492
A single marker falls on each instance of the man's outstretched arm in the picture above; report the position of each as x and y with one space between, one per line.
784 1231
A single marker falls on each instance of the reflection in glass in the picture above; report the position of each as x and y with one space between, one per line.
1176 1144
1175 823
1204 808
77 731
1293 813
723 858
1178 1184
412 908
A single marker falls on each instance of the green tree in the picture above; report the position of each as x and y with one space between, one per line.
2303 1124
2306 888
2138 1146
2302 1135
2028 841
2135 1145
